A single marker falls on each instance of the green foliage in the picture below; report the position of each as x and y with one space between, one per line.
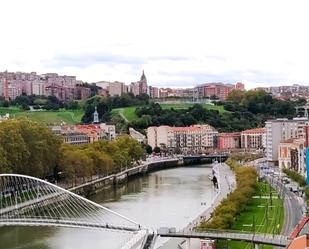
99 158
28 147
295 176
106 104
148 149
156 149
224 215
260 102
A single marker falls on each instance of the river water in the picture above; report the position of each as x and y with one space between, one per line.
171 197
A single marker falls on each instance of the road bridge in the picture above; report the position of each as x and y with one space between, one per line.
195 159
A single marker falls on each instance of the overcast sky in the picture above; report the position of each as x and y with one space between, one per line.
177 43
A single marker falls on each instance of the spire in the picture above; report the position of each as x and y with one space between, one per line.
143 77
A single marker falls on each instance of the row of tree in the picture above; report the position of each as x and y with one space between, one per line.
243 110
225 214
30 148
39 102
102 158
153 114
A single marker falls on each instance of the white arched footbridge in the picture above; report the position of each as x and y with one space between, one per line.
28 201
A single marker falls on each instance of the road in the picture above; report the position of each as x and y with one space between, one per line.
293 205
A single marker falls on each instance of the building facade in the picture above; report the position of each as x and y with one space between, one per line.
291 155
282 129
13 84
113 88
230 140
81 134
253 138
188 140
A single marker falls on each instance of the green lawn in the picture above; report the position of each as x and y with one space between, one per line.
263 215
219 108
128 113
67 116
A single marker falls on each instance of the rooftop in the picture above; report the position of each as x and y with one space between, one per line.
256 130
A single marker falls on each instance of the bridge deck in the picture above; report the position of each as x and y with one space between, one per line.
275 240
63 223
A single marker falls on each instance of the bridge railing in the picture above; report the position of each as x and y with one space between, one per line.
271 239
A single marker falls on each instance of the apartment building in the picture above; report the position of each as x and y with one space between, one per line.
218 89
253 138
13 84
188 140
140 86
291 155
282 129
228 140
81 134
115 88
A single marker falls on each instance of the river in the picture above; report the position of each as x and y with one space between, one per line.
171 197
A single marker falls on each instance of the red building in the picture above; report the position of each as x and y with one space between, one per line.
215 89
240 86
229 140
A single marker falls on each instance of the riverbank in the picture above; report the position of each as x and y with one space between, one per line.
226 184
95 186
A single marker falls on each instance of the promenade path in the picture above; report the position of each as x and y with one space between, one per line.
226 183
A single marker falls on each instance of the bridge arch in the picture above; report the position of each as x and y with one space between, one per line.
26 200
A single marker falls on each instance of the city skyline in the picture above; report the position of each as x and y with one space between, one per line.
178 44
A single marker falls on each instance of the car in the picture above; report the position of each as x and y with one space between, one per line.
285 180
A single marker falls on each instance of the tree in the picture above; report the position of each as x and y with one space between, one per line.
156 150
148 149
28 147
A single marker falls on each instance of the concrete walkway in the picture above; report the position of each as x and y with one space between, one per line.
226 183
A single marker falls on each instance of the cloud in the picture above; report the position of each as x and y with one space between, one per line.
90 59
199 41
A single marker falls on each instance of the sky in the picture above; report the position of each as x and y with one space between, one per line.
178 43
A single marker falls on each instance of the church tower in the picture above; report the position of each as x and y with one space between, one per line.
143 84
95 116
143 77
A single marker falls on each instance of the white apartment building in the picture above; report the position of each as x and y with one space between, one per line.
192 139
109 129
279 130
157 135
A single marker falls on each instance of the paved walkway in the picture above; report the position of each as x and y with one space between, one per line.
226 184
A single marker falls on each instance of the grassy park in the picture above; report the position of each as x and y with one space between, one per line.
67 116
176 106
128 113
264 214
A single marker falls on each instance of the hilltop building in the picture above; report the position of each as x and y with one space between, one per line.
13 84
140 86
